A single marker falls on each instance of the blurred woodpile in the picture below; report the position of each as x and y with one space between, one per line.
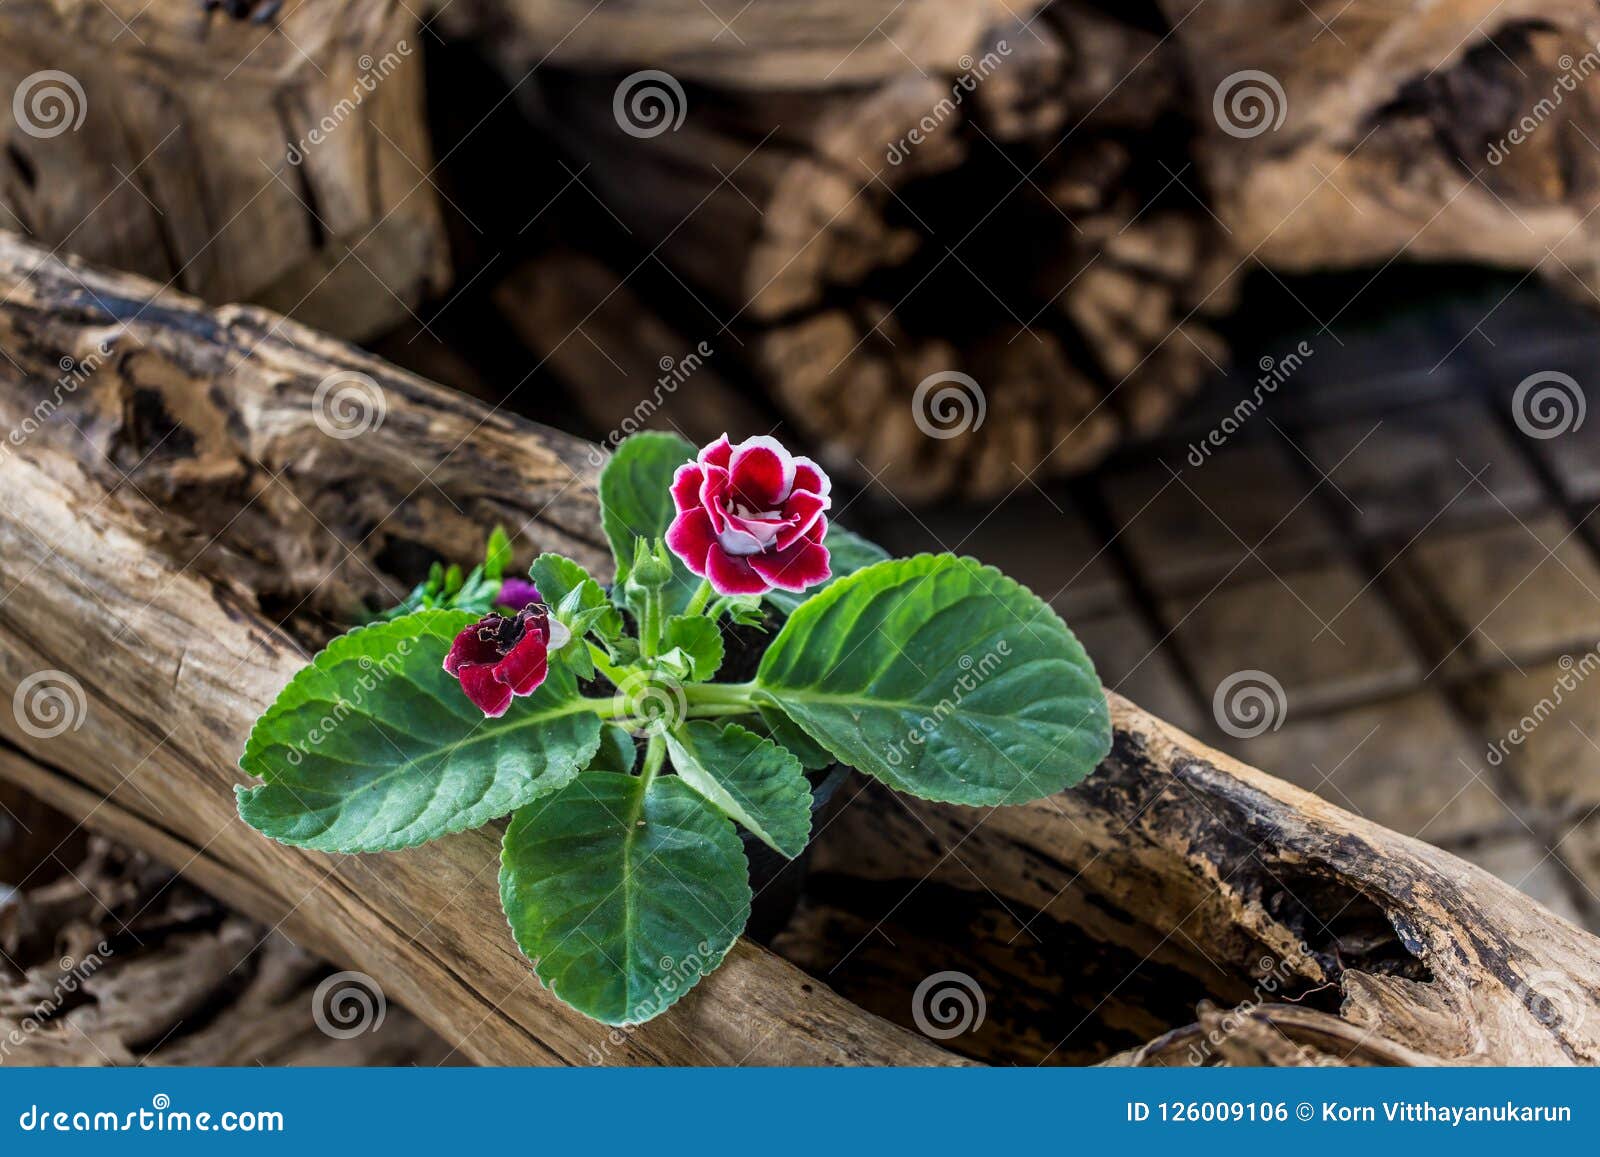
953 245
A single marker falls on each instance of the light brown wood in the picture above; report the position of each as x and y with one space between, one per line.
760 46
164 514
284 162
1458 132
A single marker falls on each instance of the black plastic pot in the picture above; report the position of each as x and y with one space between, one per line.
777 882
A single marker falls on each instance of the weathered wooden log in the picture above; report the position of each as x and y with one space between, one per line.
283 161
741 44
1458 132
1097 920
175 511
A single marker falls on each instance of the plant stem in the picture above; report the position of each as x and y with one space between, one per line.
711 710
730 694
650 623
602 663
702 596
655 754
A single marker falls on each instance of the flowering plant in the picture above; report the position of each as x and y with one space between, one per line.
596 721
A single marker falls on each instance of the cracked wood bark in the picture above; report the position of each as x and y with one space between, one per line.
1177 877
136 561
156 137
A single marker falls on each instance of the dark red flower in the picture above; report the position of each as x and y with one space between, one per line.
517 593
496 657
751 517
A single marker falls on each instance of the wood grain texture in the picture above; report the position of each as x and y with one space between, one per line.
758 46
181 168
1396 130
178 529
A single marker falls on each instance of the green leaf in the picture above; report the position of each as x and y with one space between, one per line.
496 554
373 746
787 733
579 602
943 678
750 779
623 894
617 751
700 640
847 553
636 501
556 576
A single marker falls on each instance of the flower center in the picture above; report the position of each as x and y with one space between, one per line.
504 634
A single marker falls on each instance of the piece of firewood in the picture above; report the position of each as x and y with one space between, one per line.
1176 876
282 161
628 369
732 41
1334 138
1172 871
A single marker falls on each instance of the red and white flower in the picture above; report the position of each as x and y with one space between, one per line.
497 658
751 517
